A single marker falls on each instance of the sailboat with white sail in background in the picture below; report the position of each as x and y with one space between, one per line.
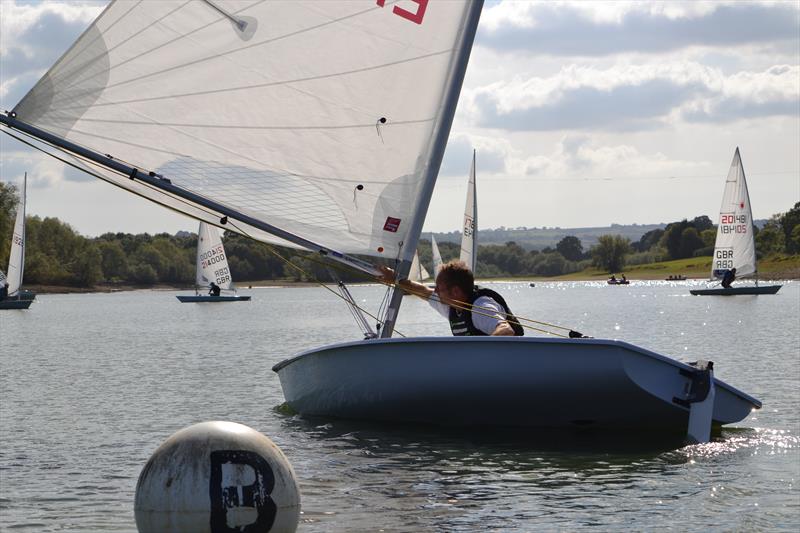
212 267
735 247
436 255
326 151
16 298
469 237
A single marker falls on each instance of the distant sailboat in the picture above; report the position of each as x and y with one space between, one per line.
418 271
322 126
212 266
735 246
437 257
17 298
469 237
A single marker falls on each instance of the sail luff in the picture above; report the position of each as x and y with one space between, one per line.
434 160
16 259
164 184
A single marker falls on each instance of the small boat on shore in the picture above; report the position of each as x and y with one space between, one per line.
678 277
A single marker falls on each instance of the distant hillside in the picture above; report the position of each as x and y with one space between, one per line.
538 238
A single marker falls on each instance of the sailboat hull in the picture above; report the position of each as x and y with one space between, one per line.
522 382
209 299
733 291
16 303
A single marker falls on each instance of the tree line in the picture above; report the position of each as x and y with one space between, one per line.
57 255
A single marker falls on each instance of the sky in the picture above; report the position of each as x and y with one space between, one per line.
582 114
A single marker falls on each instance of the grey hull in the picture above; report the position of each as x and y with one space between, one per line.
733 291
15 304
195 299
513 381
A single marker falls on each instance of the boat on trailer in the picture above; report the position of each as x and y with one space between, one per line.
359 184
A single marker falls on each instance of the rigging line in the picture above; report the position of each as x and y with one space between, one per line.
271 249
244 127
268 84
464 306
469 307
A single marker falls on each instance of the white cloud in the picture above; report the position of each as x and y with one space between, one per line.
603 28
632 97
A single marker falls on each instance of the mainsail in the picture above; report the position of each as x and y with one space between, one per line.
469 239
16 259
307 115
437 257
735 245
212 264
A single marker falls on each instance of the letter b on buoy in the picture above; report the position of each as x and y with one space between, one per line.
217 477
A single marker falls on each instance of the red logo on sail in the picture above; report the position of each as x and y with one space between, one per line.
391 224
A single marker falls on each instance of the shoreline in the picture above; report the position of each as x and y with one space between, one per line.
791 275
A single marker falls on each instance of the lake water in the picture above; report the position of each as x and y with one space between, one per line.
91 384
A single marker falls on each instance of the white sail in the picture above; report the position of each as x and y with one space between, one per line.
437 257
16 259
306 115
418 272
469 238
735 244
212 264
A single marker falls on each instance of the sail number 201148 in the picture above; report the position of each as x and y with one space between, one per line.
415 17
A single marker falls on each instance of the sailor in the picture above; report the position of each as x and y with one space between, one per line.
471 310
4 292
728 278
214 290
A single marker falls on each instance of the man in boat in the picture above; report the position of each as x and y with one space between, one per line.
4 292
471 310
214 290
728 278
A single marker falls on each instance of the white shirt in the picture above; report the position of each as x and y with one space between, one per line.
484 306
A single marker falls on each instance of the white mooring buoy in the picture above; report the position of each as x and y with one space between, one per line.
217 477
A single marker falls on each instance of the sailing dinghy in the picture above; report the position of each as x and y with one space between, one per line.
735 246
17 298
212 266
305 124
469 237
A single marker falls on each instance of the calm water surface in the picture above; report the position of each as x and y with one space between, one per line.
91 384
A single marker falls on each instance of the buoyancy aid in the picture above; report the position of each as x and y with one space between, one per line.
461 320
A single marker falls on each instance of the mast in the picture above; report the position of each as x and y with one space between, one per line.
449 105
165 185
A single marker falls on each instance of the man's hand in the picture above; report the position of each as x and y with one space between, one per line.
503 328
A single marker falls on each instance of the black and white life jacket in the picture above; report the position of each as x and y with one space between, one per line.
461 320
